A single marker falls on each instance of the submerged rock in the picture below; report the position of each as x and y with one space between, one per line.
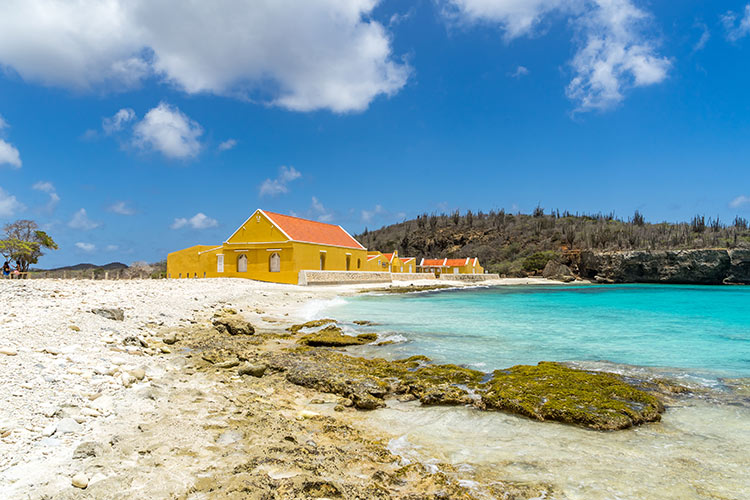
551 391
332 336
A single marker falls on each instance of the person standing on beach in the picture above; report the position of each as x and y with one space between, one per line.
6 269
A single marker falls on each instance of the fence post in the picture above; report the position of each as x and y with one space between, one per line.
106 275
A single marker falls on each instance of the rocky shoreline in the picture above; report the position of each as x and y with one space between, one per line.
207 389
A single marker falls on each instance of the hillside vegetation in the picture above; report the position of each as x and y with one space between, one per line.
521 244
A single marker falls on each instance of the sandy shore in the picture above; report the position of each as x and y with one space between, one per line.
86 398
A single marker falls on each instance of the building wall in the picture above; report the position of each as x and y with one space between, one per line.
186 263
257 229
307 257
258 262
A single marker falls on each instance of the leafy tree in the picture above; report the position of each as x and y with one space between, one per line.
24 242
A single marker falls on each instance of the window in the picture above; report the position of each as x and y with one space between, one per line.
359 263
348 262
274 263
322 261
204 274
242 263
179 276
410 268
220 263
455 270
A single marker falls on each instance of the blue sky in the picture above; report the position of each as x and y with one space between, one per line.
131 128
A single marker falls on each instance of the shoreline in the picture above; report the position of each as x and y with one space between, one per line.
72 377
189 424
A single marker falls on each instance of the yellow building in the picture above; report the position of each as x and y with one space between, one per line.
376 262
451 266
272 247
408 264
394 263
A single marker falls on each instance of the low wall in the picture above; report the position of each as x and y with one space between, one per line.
469 277
412 276
342 277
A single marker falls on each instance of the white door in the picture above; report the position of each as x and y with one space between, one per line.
274 263
220 263
455 270
242 263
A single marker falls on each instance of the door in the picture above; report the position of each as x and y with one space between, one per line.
242 263
274 263
220 263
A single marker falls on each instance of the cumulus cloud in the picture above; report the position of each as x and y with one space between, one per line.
614 50
279 185
9 155
115 123
198 221
520 71
81 221
121 207
49 188
86 247
367 215
9 205
740 201
170 131
227 145
736 26
316 54
320 212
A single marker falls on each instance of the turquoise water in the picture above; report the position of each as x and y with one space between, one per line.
704 331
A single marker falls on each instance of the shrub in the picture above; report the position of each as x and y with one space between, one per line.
534 263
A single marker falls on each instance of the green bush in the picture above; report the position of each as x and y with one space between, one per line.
534 263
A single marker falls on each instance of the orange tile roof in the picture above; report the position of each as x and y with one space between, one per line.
406 259
388 256
433 262
457 262
313 231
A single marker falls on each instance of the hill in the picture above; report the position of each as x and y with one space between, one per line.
521 244
112 266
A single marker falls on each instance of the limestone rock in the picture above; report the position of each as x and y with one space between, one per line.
253 370
68 426
558 271
333 336
233 324
739 269
138 373
115 314
230 363
8 351
88 449
80 480
170 338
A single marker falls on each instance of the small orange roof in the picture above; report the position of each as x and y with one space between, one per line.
457 262
389 256
311 231
406 259
433 262
373 256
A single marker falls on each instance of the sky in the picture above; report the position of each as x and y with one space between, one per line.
133 128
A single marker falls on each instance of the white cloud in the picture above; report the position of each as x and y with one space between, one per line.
112 248
736 30
316 54
520 71
81 220
9 155
122 208
9 205
320 212
703 40
198 221
115 123
86 247
49 188
614 52
367 215
168 130
740 201
279 185
227 145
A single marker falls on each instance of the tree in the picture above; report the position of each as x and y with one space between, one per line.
24 243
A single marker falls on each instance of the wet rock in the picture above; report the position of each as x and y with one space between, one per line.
333 336
551 391
115 314
363 322
80 480
254 370
233 324
311 324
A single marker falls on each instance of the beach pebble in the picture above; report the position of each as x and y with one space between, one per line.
307 414
138 373
170 338
250 369
68 426
49 430
8 351
80 480
230 363
115 314
165 350
75 328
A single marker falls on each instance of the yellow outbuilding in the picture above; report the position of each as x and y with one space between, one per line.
272 247
451 266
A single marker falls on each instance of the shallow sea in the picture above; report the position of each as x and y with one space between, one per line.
698 335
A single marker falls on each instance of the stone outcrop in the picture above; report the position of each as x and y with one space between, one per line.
704 267
557 271
233 324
